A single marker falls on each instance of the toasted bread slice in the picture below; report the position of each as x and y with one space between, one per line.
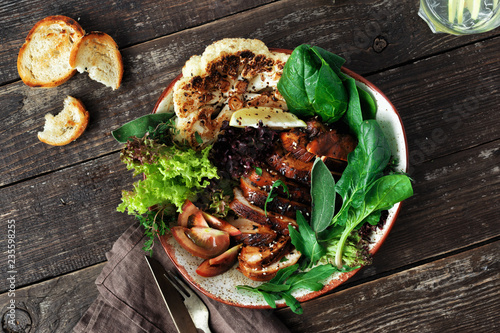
98 54
43 60
67 125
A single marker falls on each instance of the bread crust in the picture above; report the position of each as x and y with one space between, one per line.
76 128
43 60
84 58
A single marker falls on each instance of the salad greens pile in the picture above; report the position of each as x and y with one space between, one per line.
171 174
313 85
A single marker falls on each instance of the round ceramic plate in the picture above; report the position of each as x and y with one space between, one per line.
223 287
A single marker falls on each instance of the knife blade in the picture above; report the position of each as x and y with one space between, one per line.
172 298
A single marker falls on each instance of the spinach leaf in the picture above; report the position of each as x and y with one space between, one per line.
365 164
387 191
368 104
311 86
364 193
305 240
140 126
323 196
332 59
382 194
353 115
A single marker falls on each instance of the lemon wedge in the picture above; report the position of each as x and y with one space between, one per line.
271 117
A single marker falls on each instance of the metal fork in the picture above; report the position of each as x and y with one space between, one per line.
196 308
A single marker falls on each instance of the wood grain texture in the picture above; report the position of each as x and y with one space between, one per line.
55 305
66 220
446 102
151 65
454 294
139 21
427 298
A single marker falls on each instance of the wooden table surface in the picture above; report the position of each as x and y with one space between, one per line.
438 270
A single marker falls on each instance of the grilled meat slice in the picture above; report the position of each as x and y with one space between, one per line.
289 166
266 180
314 128
268 272
263 255
245 209
295 142
257 196
332 144
252 233
335 166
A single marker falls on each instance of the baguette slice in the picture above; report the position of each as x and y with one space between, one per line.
43 60
98 54
67 125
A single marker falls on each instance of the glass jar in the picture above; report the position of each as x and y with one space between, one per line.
460 17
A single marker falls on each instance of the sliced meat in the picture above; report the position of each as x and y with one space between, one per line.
295 142
268 272
257 196
263 255
299 193
335 166
290 167
252 233
245 209
332 144
314 128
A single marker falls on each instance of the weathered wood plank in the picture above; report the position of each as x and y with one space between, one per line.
139 21
455 294
67 220
388 33
55 305
150 66
386 304
445 101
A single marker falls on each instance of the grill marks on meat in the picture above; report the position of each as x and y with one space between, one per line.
265 237
295 142
265 234
252 233
245 209
332 144
267 178
261 256
268 272
290 167
279 205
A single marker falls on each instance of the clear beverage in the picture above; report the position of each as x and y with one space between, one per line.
460 17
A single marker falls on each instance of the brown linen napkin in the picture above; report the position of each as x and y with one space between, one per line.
129 300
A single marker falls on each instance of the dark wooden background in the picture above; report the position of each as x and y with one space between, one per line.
438 271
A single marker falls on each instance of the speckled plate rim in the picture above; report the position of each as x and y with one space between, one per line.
173 250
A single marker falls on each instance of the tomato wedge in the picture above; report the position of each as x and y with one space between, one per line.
201 242
220 224
188 209
197 220
219 264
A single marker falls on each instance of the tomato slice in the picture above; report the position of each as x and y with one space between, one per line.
220 224
197 220
188 209
219 264
201 242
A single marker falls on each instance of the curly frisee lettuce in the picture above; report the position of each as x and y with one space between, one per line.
171 175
